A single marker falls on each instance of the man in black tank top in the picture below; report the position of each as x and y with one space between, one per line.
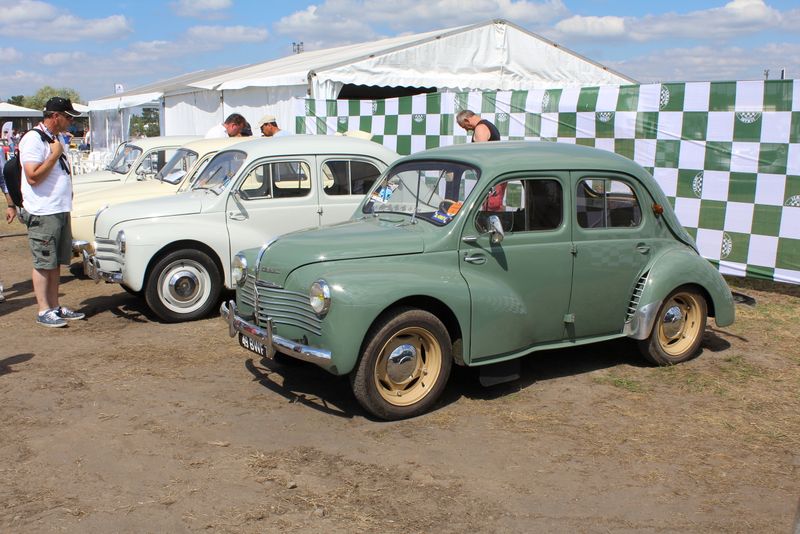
482 130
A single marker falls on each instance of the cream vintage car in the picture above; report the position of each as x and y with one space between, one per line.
176 250
134 160
186 164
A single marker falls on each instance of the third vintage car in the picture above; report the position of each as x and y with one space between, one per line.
475 255
176 175
177 250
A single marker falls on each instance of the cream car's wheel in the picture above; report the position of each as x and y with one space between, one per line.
405 365
183 285
678 330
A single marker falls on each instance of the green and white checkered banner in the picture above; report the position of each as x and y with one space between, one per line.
727 154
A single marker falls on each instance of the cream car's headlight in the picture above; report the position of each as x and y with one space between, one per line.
239 269
319 296
121 242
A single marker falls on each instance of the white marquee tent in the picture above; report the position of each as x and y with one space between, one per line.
495 55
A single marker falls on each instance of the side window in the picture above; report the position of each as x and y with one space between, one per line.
154 161
607 203
524 205
345 177
284 179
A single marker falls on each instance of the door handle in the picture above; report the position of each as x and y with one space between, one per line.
642 248
477 259
237 216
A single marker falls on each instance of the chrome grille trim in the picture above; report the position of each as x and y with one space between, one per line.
106 250
633 305
247 292
284 307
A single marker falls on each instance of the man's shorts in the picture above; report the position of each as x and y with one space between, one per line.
50 239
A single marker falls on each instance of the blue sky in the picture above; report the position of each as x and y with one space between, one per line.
90 45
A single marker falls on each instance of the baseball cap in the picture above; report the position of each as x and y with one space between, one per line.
266 119
63 105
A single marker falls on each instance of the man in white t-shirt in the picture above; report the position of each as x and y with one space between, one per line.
47 191
269 126
232 127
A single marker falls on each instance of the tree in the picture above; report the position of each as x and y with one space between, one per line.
147 124
44 94
17 100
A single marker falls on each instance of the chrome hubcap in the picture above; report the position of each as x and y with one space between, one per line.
673 322
183 286
401 363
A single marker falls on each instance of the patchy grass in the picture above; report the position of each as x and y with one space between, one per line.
622 382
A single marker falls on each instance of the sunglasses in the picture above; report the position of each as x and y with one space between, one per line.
67 116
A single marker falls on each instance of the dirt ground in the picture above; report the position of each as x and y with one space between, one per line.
122 424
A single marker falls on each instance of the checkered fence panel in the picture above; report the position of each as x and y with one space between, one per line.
727 154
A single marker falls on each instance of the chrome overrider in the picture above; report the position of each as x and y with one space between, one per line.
92 270
271 342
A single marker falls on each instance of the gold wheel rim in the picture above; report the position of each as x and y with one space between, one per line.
679 324
408 366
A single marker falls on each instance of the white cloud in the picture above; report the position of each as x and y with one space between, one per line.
592 26
200 8
27 11
63 58
735 18
196 40
11 82
40 21
333 22
10 55
227 34
709 63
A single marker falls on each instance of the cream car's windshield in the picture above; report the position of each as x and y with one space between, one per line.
433 191
220 170
124 159
176 168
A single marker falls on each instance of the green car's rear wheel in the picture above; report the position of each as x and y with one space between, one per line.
678 330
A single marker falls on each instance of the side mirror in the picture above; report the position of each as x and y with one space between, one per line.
496 229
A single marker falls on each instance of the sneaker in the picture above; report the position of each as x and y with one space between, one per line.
51 319
69 315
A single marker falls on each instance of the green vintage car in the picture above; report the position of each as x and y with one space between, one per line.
478 254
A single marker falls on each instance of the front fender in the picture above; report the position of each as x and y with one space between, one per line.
146 239
361 290
675 268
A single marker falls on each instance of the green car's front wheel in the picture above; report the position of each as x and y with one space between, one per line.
405 365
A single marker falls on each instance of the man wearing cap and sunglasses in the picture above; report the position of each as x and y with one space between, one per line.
47 191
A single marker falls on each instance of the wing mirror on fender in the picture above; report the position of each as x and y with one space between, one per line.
496 229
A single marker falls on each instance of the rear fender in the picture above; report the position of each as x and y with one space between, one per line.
676 268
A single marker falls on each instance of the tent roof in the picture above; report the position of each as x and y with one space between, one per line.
10 110
491 55
152 92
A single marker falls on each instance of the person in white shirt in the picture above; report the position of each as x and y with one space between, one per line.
232 127
47 190
269 126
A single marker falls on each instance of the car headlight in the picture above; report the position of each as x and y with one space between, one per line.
121 242
239 269
319 296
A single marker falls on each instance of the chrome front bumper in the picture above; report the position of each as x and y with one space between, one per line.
273 343
92 270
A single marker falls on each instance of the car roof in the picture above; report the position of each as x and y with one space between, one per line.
506 156
146 143
204 146
288 145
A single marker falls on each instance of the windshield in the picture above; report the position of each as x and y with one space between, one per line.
430 190
177 166
124 159
220 170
